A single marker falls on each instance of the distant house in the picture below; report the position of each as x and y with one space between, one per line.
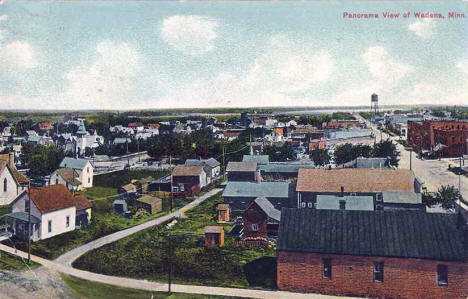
120 140
214 236
242 171
68 177
84 168
188 180
352 182
211 167
223 213
317 144
239 195
12 182
44 126
149 203
380 254
83 211
261 221
259 159
53 212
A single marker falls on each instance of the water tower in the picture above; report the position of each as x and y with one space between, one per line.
374 103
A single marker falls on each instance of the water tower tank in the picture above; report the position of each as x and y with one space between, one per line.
374 98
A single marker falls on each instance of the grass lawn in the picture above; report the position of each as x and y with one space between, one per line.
95 290
145 255
103 221
11 262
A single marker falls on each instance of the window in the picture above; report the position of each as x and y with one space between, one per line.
327 268
56 181
68 222
378 272
49 226
342 205
309 205
87 169
303 204
5 185
89 180
254 227
442 275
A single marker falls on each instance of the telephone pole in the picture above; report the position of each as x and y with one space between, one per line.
29 223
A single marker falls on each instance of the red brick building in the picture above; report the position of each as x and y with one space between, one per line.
397 254
449 138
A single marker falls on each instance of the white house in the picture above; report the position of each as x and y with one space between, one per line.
53 211
12 183
68 177
84 168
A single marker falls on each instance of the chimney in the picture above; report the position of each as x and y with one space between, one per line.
11 159
342 191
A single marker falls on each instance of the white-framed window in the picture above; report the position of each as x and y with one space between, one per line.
303 204
378 272
67 222
49 226
254 227
310 205
89 180
87 169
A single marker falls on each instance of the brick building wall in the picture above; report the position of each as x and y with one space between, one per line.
353 275
425 135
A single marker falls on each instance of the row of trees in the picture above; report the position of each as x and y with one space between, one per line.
348 152
41 160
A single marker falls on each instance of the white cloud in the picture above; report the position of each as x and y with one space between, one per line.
283 68
3 18
17 56
190 34
107 81
462 65
424 28
383 67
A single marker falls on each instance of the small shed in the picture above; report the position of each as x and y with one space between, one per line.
143 184
149 203
223 212
128 188
214 236
120 207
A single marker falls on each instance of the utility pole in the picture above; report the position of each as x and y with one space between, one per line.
171 253
29 223
410 158
224 165
172 183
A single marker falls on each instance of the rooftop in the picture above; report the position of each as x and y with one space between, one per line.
213 229
182 170
259 159
241 166
356 203
69 175
51 198
403 234
82 203
266 206
401 197
355 180
254 189
74 163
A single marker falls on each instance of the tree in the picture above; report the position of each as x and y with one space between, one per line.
41 160
348 152
446 196
320 157
279 154
386 149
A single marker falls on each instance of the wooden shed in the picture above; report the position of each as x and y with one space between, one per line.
214 236
149 203
223 212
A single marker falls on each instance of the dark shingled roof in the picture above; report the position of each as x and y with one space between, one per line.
406 234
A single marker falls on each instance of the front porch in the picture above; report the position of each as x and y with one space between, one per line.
16 224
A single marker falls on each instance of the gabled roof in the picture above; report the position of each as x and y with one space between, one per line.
259 159
182 170
355 180
403 233
212 162
241 166
254 189
74 163
51 198
19 177
82 203
266 206
128 187
149 199
69 175
194 162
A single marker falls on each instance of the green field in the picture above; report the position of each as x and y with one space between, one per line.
146 255
95 290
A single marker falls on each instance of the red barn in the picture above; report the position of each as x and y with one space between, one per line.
386 254
261 220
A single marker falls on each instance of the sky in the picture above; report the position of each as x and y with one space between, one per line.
150 55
